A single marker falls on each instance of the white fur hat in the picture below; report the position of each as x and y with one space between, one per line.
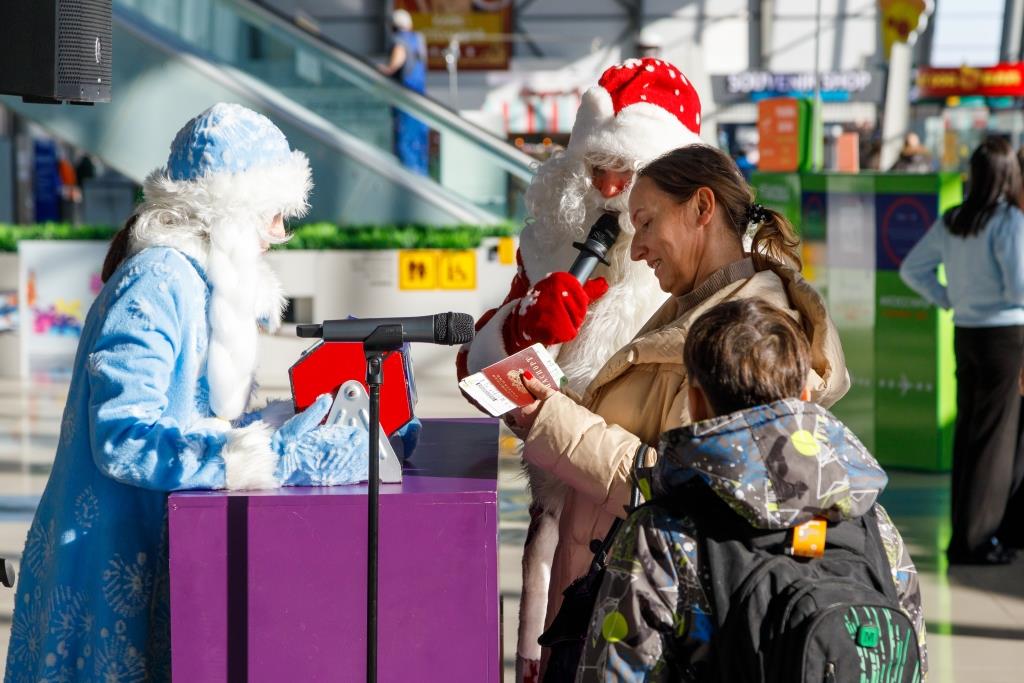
639 110
234 157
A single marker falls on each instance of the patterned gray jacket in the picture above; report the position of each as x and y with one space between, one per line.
777 466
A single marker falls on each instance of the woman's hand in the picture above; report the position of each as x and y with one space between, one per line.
521 420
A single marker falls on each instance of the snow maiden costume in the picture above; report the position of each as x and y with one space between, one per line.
162 378
639 110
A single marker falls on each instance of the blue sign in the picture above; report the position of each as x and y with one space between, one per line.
902 220
46 182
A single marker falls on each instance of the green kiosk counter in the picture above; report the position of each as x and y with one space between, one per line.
856 229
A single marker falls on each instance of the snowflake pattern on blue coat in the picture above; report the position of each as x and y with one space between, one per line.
92 600
777 466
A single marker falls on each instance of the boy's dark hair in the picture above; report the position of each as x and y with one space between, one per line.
745 353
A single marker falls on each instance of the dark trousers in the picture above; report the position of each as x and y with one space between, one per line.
986 464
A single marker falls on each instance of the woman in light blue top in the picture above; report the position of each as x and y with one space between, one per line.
158 401
981 245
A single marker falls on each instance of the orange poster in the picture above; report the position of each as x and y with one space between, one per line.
778 127
481 26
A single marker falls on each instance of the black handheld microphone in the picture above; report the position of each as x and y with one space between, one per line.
443 328
600 240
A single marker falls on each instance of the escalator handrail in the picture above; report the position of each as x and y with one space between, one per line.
284 108
366 77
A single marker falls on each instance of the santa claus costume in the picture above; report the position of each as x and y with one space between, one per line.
639 110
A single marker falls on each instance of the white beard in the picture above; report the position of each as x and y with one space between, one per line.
565 206
246 295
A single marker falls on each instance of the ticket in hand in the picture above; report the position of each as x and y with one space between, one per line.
498 388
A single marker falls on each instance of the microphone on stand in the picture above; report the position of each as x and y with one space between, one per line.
602 236
442 328
378 339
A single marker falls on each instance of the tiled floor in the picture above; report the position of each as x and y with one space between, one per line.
975 615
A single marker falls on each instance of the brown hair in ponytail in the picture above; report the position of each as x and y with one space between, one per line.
118 250
683 171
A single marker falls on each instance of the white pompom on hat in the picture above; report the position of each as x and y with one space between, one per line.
639 110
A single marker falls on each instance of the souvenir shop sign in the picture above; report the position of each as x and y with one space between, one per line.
480 25
1002 80
858 85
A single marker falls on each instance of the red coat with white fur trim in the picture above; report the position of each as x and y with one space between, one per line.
549 312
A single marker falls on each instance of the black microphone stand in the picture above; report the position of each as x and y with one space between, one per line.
384 340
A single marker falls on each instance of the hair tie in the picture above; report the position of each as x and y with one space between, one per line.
757 214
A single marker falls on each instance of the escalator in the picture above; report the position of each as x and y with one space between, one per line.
174 59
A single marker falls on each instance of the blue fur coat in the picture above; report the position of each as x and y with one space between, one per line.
92 598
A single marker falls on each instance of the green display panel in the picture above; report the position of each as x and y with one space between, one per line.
851 304
856 229
779 191
915 392
915 383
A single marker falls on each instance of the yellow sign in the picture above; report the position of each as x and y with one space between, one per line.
417 269
902 20
506 251
458 270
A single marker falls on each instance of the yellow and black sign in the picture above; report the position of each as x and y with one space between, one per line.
417 269
458 270
437 269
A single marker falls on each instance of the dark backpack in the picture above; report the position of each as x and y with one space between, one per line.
788 619
568 630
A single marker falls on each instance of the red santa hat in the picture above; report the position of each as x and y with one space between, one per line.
639 110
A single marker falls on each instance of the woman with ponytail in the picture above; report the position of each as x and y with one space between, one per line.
692 212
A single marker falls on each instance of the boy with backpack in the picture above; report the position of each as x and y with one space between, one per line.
762 554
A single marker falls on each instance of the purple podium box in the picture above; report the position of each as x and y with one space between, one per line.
271 585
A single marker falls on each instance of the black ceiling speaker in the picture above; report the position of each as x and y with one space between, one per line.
56 50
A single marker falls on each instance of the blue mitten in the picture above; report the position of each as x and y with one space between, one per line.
410 436
312 455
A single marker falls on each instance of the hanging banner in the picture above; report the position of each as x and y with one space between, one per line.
481 27
902 21
57 283
1002 80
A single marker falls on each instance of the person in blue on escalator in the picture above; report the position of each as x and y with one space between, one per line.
408 65
158 402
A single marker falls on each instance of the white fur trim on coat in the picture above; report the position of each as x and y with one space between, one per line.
262 190
249 461
640 131
488 345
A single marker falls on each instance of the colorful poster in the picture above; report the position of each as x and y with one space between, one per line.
57 283
480 26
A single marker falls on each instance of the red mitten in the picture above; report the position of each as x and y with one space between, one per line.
551 312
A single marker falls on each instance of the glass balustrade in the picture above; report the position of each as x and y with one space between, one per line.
347 92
